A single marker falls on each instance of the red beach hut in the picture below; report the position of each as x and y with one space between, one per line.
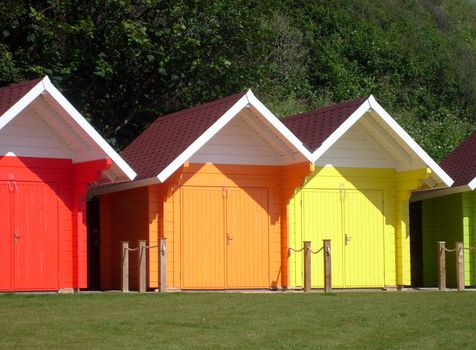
49 154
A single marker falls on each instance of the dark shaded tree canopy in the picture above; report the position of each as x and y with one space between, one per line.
122 63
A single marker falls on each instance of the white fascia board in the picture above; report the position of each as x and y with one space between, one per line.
439 193
472 184
122 186
440 173
278 125
203 139
341 130
90 131
21 104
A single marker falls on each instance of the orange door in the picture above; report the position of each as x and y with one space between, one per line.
225 238
35 237
5 238
247 224
203 239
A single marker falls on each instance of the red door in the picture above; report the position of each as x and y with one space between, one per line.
5 237
29 238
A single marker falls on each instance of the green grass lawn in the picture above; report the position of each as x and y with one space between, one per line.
374 320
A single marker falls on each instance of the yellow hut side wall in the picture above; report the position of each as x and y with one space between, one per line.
395 191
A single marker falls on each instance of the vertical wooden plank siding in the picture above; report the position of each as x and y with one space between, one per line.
377 202
203 239
442 220
6 239
472 227
105 248
364 264
35 250
246 238
156 216
405 183
47 206
321 212
129 221
293 177
174 209
468 237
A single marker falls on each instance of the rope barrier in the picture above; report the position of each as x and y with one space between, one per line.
295 250
152 246
450 250
317 251
300 250
132 249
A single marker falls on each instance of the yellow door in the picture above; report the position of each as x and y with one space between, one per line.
353 221
322 219
247 238
363 239
203 240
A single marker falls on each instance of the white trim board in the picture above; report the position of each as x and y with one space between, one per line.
45 85
472 184
247 100
372 105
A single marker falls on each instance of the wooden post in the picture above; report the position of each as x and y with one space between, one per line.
327 266
163 264
459 266
141 271
125 266
307 266
441 266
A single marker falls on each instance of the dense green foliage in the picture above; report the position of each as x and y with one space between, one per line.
124 62
275 320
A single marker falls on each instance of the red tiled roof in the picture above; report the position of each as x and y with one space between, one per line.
314 127
169 135
460 164
11 94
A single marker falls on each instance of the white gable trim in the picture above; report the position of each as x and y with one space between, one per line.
371 104
247 99
448 181
273 120
46 85
340 131
83 123
21 104
472 184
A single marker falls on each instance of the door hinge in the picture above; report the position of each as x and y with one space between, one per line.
12 186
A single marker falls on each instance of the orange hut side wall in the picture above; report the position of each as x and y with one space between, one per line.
155 211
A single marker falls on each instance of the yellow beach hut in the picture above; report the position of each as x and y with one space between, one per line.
366 166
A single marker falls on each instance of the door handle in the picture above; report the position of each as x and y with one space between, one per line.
16 236
228 239
347 239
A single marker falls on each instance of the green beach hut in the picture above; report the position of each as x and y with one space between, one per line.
447 215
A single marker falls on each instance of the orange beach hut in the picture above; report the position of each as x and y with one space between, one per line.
214 180
49 154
